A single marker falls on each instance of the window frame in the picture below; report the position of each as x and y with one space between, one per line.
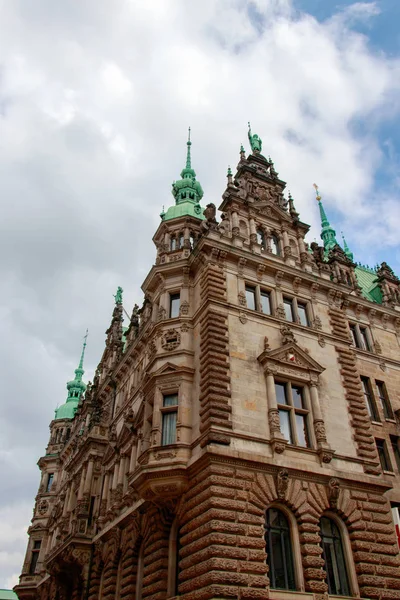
384 400
361 336
168 410
274 242
173 296
369 399
293 411
35 552
395 443
258 292
268 529
382 449
294 303
49 483
349 575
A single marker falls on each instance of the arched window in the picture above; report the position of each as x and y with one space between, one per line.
335 566
279 550
275 245
261 238
173 244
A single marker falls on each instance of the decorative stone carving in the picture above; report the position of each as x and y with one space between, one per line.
280 312
243 318
333 491
377 347
282 483
266 344
321 341
161 313
278 278
296 284
320 431
274 422
382 365
171 340
287 335
316 324
241 264
358 310
184 308
314 288
242 299
43 507
260 271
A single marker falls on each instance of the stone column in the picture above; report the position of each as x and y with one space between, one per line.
253 232
71 499
323 448
66 502
278 442
81 485
115 477
167 241
89 476
235 223
186 241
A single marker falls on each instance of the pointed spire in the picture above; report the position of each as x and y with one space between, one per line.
188 157
346 249
186 190
328 234
75 388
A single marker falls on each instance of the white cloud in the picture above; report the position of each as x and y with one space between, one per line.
95 100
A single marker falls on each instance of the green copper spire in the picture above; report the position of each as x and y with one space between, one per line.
328 234
346 249
186 191
75 388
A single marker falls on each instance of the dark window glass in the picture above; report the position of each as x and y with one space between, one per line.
175 301
265 302
383 455
91 509
288 306
35 557
279 550
384 400
369 399
50 478
302 312
280 391
395 447
335 566
284 419
364 343
250 297
171 400
275 245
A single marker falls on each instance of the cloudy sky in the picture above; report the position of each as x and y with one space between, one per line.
95 100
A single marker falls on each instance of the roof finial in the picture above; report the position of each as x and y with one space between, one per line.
346 248
188 157
328 234
83 349
317 192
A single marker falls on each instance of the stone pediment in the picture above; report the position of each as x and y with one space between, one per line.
273 211
109 455
291 360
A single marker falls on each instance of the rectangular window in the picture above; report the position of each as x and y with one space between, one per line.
360 337
174 305
50 478
34 557
250 297
293 413
384 400
383 455
169 419
265 302
288 306
396 451
302 312
369 399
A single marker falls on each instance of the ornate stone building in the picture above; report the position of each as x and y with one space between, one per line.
241 436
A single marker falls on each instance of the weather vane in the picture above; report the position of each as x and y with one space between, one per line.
317 192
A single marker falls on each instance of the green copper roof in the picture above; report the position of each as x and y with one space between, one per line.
75 388
8 595
187 192
367 279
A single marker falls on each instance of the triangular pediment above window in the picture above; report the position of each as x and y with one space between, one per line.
272 211
290 360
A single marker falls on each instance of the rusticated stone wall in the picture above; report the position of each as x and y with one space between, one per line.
215 407
360 420
156 542
222 536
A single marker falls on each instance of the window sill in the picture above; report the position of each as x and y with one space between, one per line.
379 423
393 421
391 473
